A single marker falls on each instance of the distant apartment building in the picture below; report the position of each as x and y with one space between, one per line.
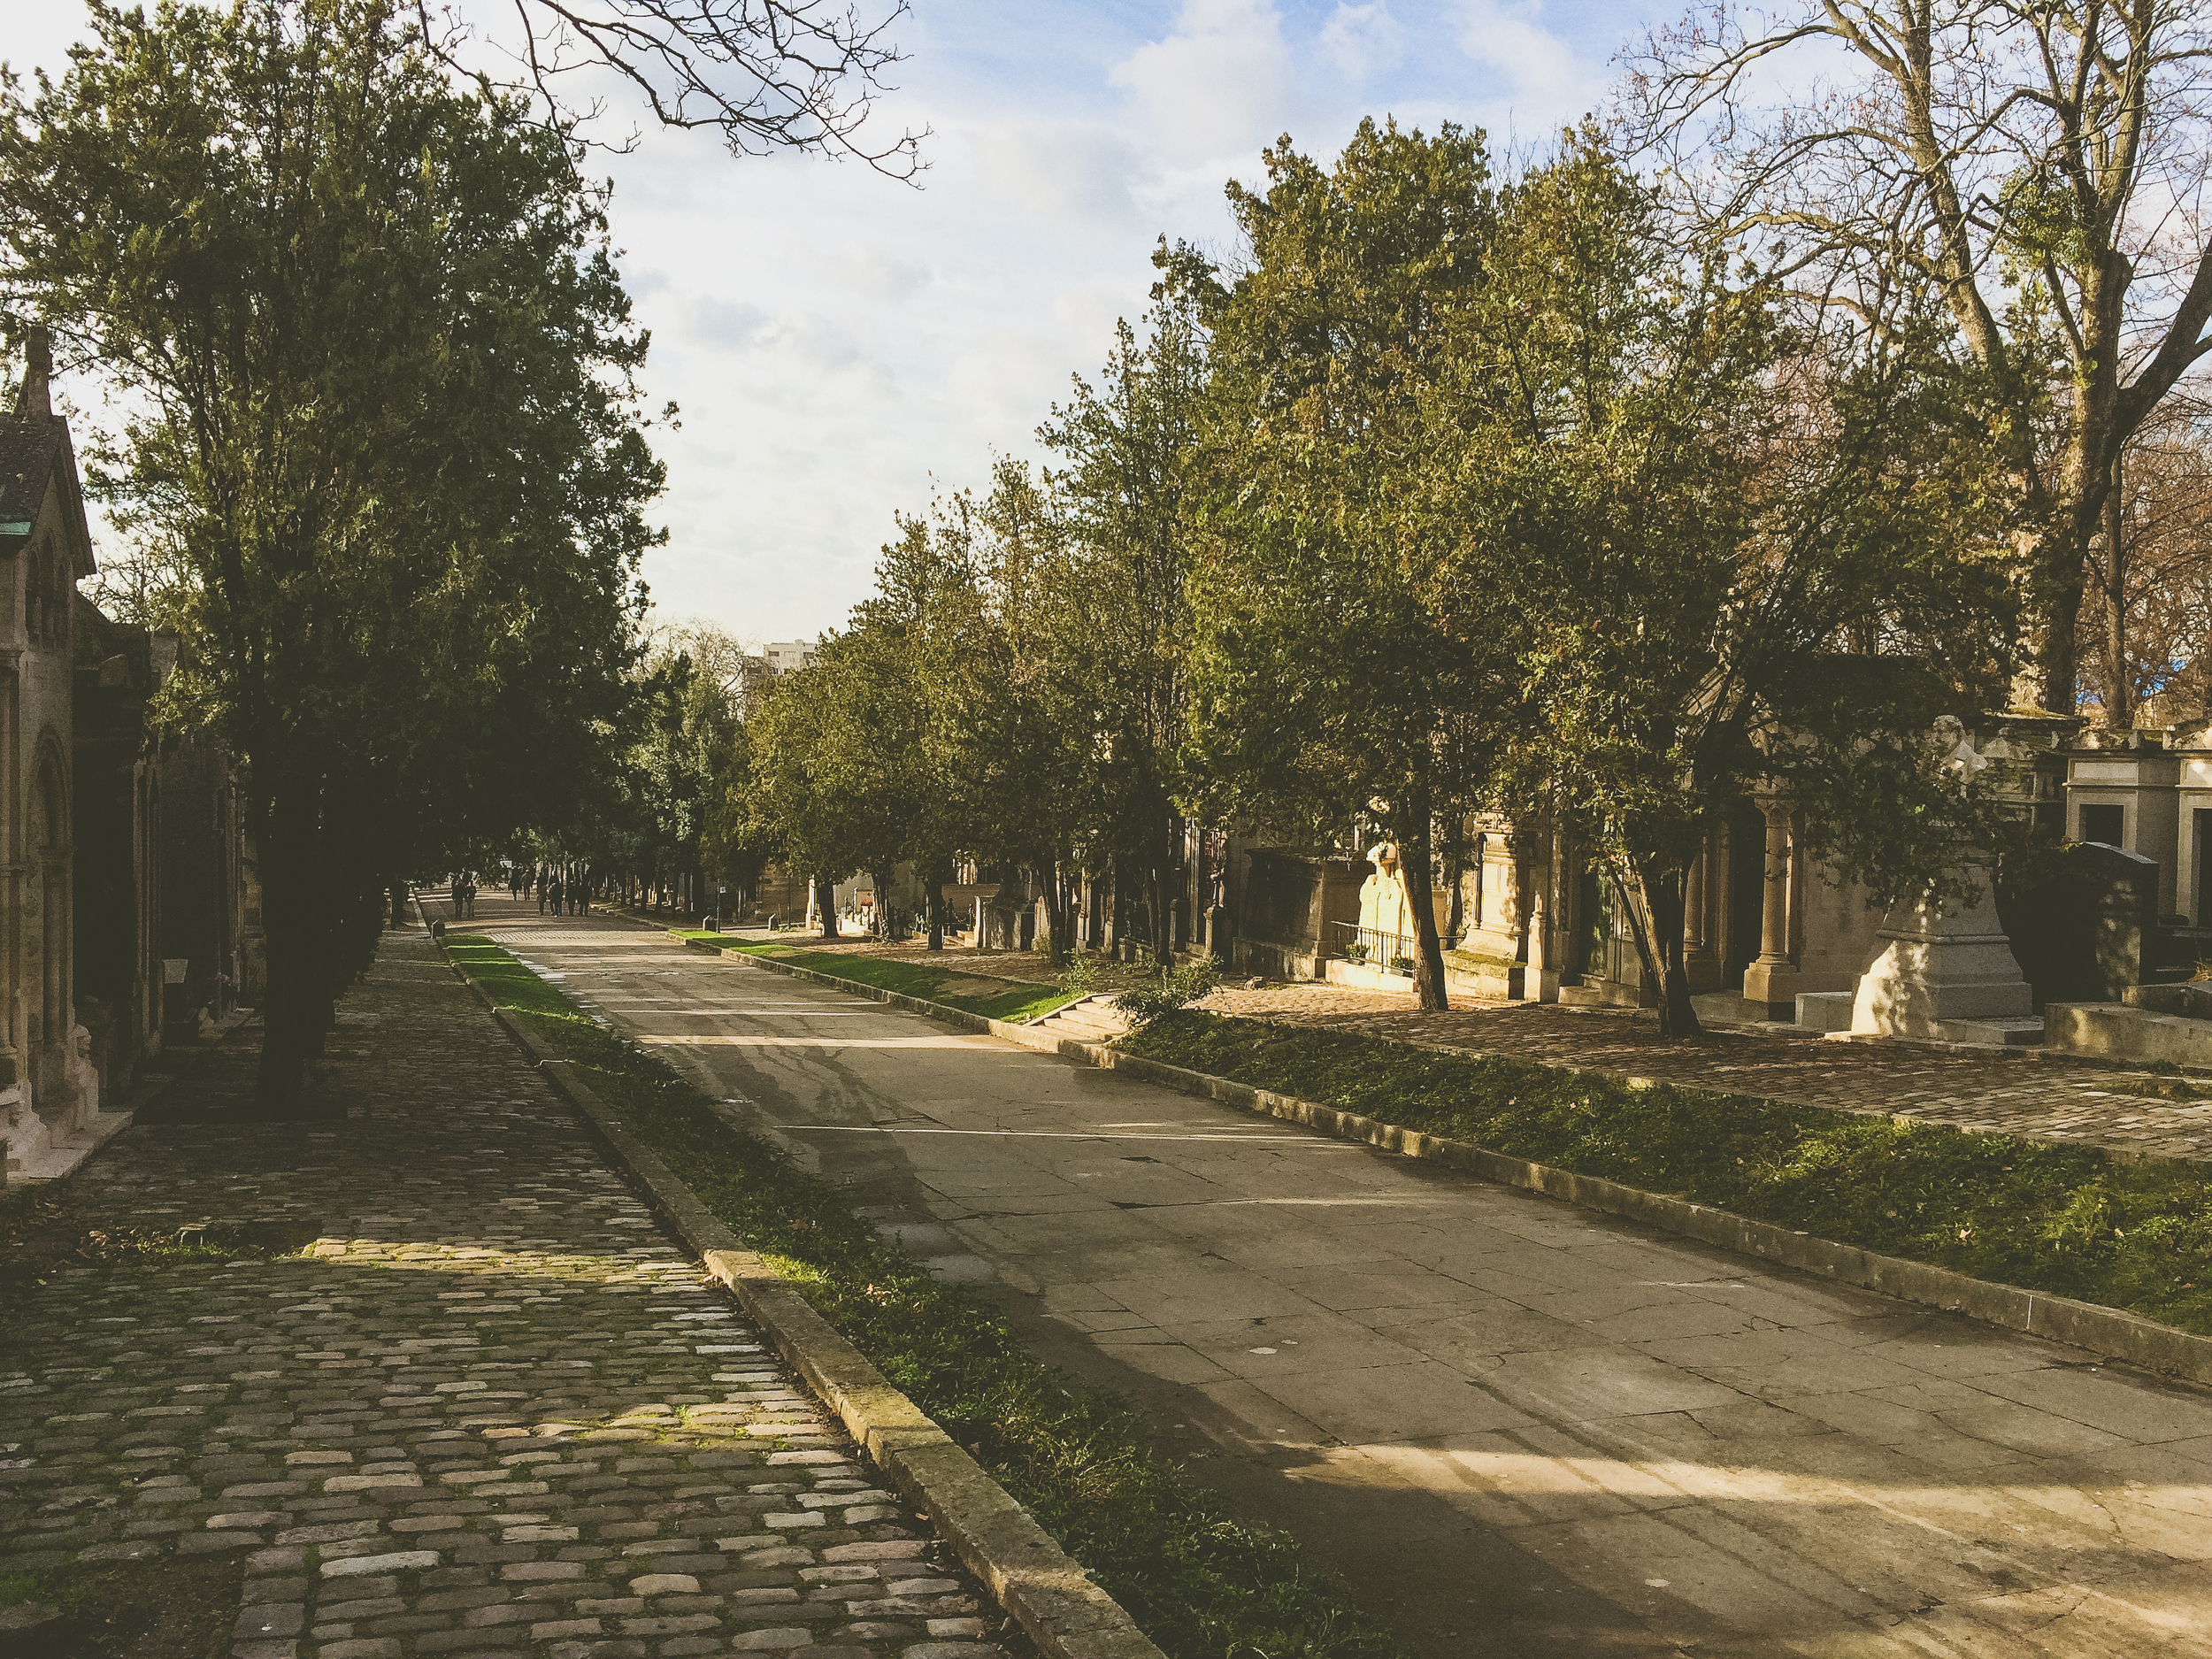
784 656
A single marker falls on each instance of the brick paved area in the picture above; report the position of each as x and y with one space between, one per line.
2042 1098
494 1410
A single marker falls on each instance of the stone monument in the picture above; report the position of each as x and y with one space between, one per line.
1382 901
1945 969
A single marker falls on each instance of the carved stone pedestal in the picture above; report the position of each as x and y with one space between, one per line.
1946 973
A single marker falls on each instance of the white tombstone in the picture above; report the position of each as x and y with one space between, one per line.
1944 969
1946 972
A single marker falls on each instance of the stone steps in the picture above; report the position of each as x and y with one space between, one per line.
1093 1019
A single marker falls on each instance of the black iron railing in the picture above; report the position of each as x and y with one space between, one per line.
1375 947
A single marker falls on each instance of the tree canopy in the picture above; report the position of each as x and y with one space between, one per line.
383 427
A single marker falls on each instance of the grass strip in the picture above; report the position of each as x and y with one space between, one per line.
1021 1000
1197 1582
2073 1221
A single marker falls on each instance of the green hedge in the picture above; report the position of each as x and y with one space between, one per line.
1019 1001
2073 1221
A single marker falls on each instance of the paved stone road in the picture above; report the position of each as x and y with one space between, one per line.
1522 1429
497 1411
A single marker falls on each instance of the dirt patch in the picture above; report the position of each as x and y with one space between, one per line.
165 1608
964 984
1029 966
115 1247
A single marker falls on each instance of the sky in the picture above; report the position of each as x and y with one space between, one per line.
841 344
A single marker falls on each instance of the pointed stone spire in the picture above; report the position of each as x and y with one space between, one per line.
38 368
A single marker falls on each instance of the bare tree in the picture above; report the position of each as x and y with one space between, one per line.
2146 618
765 74
735 664
2033 171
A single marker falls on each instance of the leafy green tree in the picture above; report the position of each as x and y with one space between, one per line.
686 746
1021 715
1333 686
1726 563
378 360
835 779
1123 492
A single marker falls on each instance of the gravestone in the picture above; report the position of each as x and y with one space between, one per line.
1945 971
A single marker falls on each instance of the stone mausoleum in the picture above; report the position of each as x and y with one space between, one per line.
123 924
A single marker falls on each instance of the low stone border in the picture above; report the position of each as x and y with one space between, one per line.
1048 1593
2107 1331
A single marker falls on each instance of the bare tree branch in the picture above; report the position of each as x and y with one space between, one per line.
2038 170
763 75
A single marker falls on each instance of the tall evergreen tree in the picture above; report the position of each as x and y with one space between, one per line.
1331 687
378 360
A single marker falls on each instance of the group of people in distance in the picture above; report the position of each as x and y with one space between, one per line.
553 892
561 894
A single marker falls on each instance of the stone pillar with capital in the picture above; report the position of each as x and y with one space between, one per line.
1770 982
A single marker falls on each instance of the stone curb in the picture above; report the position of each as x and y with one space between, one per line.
1051 1597
2107 1331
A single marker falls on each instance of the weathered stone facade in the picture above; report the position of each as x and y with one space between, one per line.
49 1091
1771 921
126 892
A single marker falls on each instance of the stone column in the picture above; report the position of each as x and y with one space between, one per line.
1774 915
1694 906
1540 975
1770 984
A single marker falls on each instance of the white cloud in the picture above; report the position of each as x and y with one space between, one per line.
1537 66
1358 41
1076 170
724 324
880 274
1216 87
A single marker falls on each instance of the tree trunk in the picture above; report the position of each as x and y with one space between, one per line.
1416 865
937 872
298 902
1454 877
1655 902
2120 685
2061 581
1056 913
399 904
882 918
1163 909
826 901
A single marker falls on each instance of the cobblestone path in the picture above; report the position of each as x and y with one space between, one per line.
2042 1097
493 1410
